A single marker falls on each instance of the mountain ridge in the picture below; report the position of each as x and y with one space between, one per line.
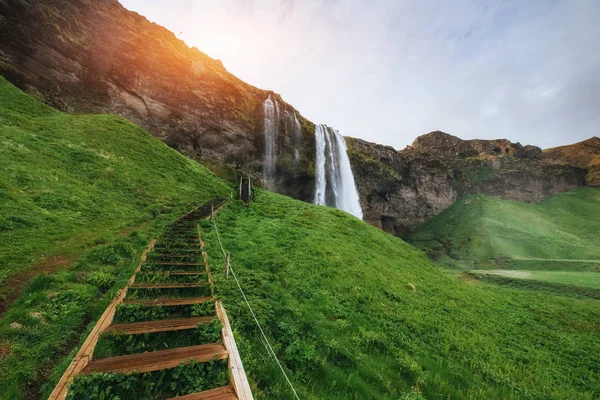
96 56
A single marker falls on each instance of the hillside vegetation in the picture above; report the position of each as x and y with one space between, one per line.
354 313
480 227
351 311
91 189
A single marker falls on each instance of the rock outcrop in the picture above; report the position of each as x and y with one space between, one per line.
402 189
584 154
97 57
94 56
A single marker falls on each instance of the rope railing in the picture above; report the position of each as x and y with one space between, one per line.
266 342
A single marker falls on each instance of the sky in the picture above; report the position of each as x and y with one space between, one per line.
389 71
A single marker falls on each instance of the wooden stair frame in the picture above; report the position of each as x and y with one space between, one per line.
83 362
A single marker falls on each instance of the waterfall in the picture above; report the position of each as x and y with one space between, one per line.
271 120
334 181
297 138
320 182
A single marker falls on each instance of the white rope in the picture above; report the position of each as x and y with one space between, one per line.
268 345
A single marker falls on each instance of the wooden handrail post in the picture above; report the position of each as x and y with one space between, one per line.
227 265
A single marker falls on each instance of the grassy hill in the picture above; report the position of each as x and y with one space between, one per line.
336 298
480 228
351 311
80 196
553 244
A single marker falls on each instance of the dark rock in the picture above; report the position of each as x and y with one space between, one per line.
419 182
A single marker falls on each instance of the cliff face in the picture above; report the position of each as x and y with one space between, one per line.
584 154
97 57
402 189
94 56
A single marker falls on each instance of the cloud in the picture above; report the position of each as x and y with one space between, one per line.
388 71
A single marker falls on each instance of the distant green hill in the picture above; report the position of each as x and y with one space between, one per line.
351 312
480 228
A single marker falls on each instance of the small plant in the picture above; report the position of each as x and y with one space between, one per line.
116 344
179 381
102 280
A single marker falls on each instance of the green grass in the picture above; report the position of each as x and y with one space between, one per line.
552 240
584 279
480 227
334 296
127 313
352 313
67 180
114 344
81 195
157 385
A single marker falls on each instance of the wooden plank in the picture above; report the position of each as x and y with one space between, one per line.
176 255
238 374
162 325
157 360
175 263
171 302
222 393
84 355
168 273
168 285
183 250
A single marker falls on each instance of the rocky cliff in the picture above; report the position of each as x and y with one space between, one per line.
584 154
402 189
94 56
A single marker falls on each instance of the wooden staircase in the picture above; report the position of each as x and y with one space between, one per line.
85 364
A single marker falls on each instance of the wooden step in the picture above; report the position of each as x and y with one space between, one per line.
168 285
182 263
157 360
163 325
171 273
171 302
184 250
222 393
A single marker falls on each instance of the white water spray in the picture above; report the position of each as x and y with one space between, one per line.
334 181
271 121
297 138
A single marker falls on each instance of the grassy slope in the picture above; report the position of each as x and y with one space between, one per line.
333 295
480 227
64 177
86 188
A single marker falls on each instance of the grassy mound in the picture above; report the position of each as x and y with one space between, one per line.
81 195
355 313
565 226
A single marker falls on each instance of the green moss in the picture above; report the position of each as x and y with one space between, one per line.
365 162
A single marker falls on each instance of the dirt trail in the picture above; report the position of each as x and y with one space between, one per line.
12 286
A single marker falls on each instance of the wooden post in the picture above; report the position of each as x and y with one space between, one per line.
249 191
241 183
212 210
227 266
